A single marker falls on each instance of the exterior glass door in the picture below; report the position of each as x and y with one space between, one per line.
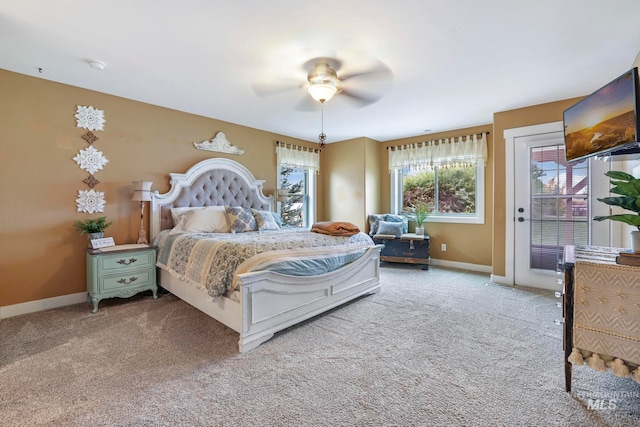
559 205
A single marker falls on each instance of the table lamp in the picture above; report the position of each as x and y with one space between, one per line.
142 193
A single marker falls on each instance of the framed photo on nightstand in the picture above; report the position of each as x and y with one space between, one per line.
102 243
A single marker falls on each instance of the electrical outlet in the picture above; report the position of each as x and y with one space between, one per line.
443 247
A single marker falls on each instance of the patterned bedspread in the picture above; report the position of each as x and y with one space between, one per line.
213 260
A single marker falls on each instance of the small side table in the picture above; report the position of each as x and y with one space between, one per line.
120 273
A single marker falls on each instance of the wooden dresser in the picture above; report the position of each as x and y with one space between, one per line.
601 307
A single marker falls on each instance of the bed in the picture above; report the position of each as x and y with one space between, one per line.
261 302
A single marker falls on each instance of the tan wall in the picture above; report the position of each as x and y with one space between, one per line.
42 255
373 178
467 243
529 116
351 180
343 165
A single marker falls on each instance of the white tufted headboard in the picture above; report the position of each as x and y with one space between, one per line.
211 182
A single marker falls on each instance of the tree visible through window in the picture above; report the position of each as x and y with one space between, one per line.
449 190
292 210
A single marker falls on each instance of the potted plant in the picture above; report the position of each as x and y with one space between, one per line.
628 188
420 213
93 227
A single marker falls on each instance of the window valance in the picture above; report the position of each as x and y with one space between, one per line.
464 150
297 156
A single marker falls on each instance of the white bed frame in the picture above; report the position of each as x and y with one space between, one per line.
269 301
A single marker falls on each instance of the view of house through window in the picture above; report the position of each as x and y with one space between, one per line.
296 210
559 205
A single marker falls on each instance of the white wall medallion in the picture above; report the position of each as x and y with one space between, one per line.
219 143
90 160
90 201
90 118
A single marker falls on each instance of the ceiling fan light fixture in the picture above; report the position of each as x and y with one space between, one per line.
322 92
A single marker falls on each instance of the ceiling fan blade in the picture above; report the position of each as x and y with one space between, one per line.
360 99
378 72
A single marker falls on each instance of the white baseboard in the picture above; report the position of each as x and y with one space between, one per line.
42 304
501 280
461 265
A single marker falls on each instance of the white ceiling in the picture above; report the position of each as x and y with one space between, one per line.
454 63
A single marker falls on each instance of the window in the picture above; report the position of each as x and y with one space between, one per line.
297 168
447 175
452 194
299 207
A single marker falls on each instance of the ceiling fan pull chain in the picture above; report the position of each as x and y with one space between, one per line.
322 137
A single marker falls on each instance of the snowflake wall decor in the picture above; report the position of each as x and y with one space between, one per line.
90 201
90 118
90 137
90 160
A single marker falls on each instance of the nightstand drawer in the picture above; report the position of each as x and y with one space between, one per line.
134 279
112 263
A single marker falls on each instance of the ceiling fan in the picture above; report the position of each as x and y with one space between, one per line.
323 82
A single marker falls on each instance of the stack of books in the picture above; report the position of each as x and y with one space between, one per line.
628 257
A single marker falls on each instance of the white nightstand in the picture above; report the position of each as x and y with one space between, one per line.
120 273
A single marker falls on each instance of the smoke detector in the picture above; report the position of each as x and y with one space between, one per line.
95 64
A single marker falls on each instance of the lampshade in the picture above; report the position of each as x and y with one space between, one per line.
322 92
141 191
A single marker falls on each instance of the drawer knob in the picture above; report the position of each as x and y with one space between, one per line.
127 261
126 282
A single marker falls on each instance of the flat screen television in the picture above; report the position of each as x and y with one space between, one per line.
605 122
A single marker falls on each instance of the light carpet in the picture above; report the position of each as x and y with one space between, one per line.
442 347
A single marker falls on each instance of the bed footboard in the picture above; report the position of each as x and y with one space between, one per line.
272 301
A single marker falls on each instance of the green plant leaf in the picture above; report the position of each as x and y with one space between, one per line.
625 202
629 189
620 175
92 225
630 219
626 188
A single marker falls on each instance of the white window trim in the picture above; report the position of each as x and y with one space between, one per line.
310 196
477 218
311 184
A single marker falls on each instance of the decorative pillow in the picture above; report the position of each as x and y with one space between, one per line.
176 213
265 220
374 221
241 219
390 228
399 218
210 219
